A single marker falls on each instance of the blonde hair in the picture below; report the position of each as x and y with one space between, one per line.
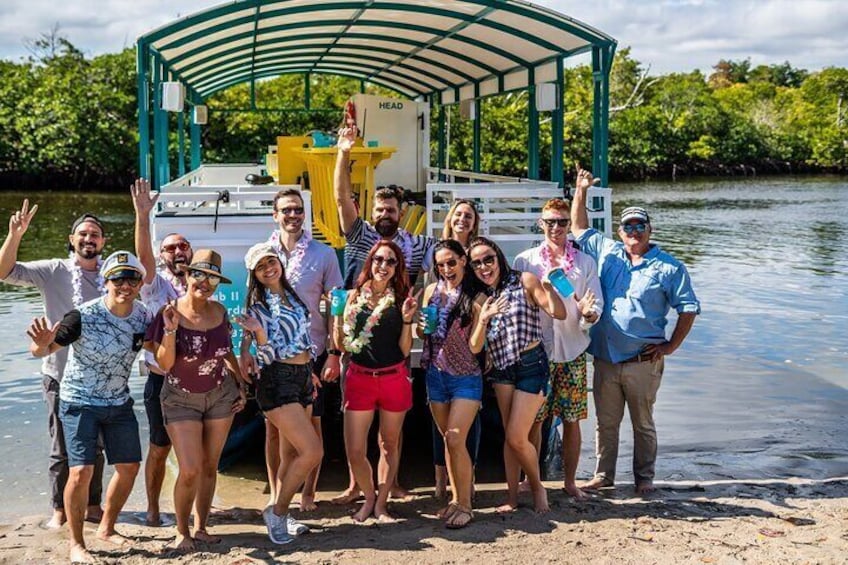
447 230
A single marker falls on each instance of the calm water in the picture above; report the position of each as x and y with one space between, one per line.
758 390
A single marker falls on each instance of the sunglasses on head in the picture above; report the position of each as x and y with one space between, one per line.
133 282
449 264
488 261
388 261
171 247
561 222
291 210
630 229
201 276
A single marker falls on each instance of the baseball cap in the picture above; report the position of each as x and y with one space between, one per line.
635 213
257 253
122 264
88 218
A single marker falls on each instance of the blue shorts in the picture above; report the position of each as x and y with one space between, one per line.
529 374
83 424
444 387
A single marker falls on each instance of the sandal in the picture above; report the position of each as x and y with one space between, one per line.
448 511
459 519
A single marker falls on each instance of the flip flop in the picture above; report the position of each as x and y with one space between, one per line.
459 519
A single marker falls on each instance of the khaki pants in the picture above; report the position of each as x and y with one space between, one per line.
635 384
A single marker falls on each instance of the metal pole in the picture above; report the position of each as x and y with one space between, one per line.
158 140
476 145
533 129
143 90
597 111
194 140
558 128
181 168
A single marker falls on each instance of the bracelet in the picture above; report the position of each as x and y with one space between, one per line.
336 352
409 323
170 332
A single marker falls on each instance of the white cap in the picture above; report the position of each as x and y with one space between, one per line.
121 264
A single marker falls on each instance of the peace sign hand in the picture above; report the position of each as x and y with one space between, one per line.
410 306
19 221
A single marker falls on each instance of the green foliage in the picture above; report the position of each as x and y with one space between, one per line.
70 120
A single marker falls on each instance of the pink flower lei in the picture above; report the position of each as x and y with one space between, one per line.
566 261
293 263
357 343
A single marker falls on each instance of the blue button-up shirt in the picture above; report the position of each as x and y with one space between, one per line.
636 298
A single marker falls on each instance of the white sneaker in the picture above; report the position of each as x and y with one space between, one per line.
294 527
277 530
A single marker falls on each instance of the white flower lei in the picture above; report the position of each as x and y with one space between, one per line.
292 265
364 338
76 279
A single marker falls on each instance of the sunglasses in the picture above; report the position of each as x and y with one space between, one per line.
449 264
388 261
133 282
291 210
551 222
171 247
630 229
201 276
487 261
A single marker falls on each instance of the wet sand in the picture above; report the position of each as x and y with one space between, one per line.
787 521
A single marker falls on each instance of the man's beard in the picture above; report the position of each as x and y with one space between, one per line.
173 266
386 227
87 252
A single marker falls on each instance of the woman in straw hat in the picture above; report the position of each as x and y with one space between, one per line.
190 339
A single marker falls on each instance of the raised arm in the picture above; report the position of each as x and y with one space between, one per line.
341 178
18 225
579 216
544 295
143 201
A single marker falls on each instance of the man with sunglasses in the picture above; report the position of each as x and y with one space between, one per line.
106 333
64 284
386 215
565 340
161 286
640 284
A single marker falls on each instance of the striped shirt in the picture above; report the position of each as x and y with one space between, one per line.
362 237
510 333
287 331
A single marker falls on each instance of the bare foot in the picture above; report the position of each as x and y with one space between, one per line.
384 517
573 490
93 514
507 508
597 483
114 538
398 491
80 554
153 519
364 511
347 497
307 503
645 487
183 544
540 500
57 520
206 537
524 486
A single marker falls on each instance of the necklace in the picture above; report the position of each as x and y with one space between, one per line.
355 344
293 263
566 260
76 279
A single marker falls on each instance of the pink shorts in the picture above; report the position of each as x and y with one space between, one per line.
386 389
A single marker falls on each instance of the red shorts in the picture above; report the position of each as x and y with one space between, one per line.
378 389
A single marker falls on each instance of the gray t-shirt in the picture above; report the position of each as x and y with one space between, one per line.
320 272
54 278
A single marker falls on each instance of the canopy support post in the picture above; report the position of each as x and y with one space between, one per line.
558 128
476 145
143 89
533 127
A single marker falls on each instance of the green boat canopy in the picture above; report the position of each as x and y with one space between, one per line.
443 51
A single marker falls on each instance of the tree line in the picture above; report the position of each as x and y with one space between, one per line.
69 121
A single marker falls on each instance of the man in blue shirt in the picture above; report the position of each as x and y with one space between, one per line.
640 284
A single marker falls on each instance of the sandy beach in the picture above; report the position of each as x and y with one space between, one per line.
787 521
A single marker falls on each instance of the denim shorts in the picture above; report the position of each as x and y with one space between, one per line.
444 387
83 424
283 383
529 374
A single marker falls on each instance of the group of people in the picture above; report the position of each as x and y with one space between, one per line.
479 317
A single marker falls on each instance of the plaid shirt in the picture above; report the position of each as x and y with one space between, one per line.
363 236
512 332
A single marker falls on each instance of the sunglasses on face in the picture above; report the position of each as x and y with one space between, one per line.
487 261
449 264
133 282
201 276
630 229
291 210
172 247
388 261
551 222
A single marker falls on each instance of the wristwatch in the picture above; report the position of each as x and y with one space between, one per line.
336 352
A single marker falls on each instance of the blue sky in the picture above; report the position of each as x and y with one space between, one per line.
670 35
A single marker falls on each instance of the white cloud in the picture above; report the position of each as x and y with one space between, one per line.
671 35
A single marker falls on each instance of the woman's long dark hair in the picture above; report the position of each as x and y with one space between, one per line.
399 282
256 290
463 309
505 272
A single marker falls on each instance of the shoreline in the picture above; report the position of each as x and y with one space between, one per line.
722 521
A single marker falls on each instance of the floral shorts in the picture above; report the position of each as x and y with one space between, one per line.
568 398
